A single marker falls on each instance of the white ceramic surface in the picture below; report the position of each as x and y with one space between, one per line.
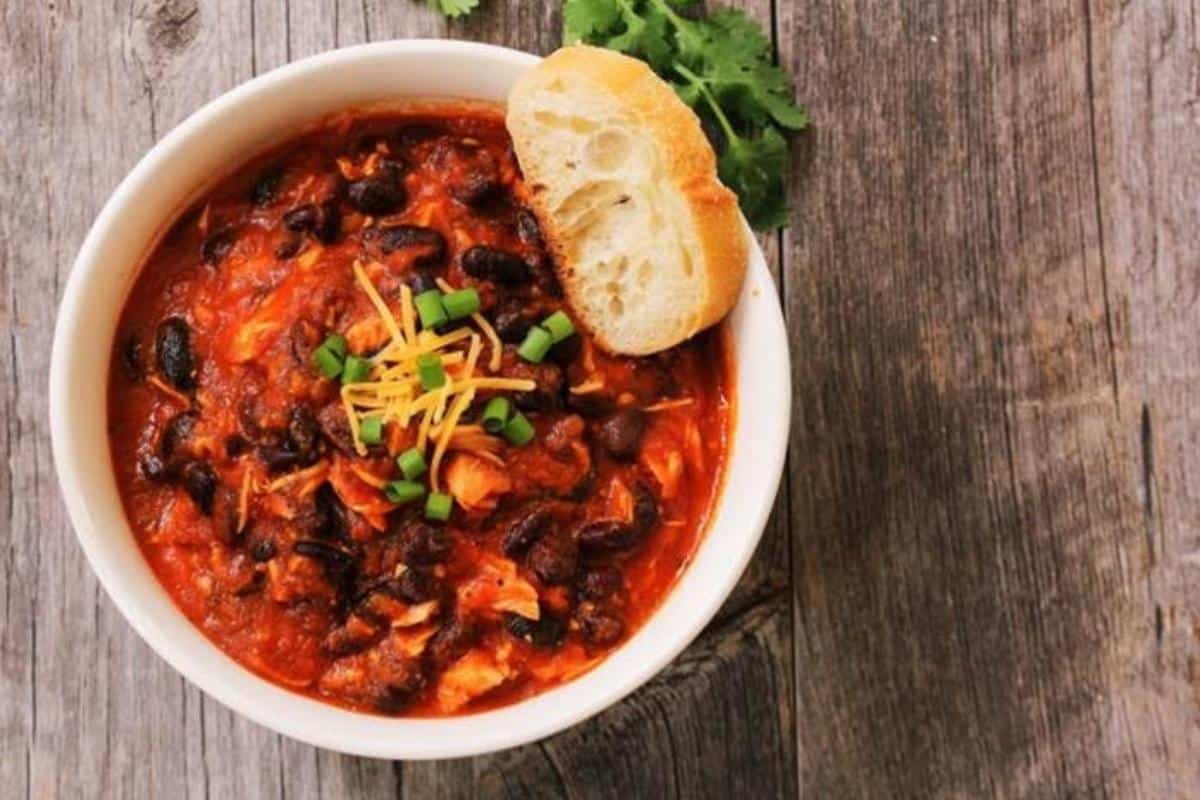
224 132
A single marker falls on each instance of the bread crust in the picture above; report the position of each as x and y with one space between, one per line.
691 165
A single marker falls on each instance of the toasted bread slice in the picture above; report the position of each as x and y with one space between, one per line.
649 245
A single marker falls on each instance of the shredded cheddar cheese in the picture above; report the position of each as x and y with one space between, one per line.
393 390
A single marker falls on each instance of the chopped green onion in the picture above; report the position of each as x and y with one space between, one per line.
559 326
401 492
355 369
519 430
537 343
327 361
411 463
370 430
438 506
462 303
495 414
336 344
431 371
430 308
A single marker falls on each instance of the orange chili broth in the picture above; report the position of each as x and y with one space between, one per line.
271 638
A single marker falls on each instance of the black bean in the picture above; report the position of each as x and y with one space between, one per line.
606 536
525 530
263 550
590 404
423 544
304 432
601 582
253 585
414 133
645 508
599 625
405 680
327 553
566 351
527 227
176 433
288 247
266 187
451 642
153 468
477 184
512 323
200 482
217 246
173 349
329 222
302 218
381 192
393 237
417 586
547 631
329 515
492 264
554 559
235 445
279 458
620 433
420 282
131 357
355 635
336 427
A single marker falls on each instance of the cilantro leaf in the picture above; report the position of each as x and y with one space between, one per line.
754 169
453 8
585 19
729 77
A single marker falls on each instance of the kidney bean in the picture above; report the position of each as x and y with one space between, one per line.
492 264
620 433
279 458
304 432
525 530
566 351
174 352
153 468
329 222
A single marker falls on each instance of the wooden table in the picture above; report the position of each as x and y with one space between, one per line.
982 574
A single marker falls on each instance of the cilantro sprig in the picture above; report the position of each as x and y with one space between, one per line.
720 65
453 8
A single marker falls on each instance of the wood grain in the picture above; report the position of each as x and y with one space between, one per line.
981 576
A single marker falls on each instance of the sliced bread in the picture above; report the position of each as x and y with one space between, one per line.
649 245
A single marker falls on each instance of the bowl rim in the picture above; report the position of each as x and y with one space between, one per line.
372 735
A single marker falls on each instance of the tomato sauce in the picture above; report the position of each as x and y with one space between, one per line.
265 512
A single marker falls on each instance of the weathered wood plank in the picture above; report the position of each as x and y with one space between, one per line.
970 541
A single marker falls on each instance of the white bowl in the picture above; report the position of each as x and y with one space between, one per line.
207 144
